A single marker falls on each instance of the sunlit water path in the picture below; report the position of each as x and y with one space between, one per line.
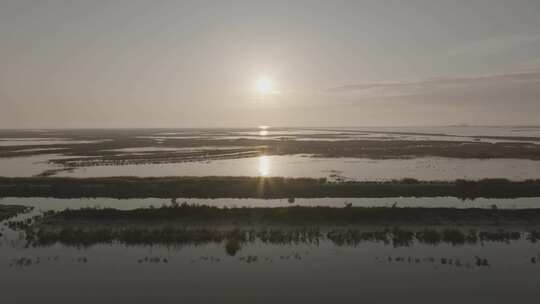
332 168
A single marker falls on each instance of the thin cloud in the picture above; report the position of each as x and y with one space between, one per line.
516 77
494 45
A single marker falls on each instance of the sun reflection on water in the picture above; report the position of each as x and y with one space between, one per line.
264 165
263 130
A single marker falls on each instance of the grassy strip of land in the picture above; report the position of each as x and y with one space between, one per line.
234 227
235 239
258 187
187 214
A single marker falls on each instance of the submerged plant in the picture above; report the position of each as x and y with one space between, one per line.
232 246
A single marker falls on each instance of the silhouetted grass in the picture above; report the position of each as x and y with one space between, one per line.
297 215
234 239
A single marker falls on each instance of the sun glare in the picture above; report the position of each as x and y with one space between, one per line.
264 85
264 165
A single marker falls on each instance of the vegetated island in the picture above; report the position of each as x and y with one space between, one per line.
259 187
184 224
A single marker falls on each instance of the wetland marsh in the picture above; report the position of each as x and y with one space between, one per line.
285 208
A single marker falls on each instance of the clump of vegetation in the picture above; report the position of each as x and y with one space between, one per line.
482 262
429 236
24 262
249 259
534 236
500 236
232 246
446 261
153 260
9 211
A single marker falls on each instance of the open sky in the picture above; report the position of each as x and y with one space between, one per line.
142 63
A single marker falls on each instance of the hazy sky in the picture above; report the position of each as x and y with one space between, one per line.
335 63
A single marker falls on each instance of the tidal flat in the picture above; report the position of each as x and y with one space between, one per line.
108 147
341 154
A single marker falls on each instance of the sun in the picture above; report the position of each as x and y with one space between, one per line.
265 86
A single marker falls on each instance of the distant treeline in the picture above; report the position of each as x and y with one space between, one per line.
259 187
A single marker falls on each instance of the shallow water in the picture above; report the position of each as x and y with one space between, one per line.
58 204
43 141
166 149
26 166
446 133
346 168
467 134
287 166
463 131
266 272
366 136
324 274
295 166
524 131
297 273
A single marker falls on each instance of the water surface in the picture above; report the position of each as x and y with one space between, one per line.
333 168
302 273
57 204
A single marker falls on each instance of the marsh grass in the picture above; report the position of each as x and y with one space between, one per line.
194 225
188 214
